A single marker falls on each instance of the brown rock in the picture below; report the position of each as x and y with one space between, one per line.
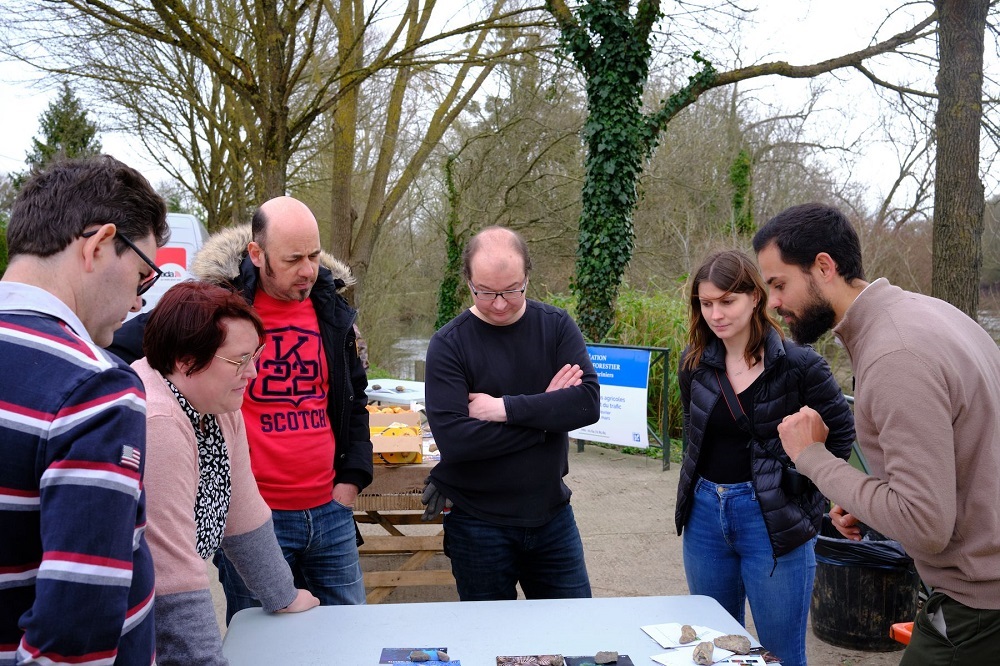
703 653
688 634
419 655
734 643
606 657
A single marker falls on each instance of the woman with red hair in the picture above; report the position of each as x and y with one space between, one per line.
201 344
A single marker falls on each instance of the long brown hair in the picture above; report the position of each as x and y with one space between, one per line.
733 272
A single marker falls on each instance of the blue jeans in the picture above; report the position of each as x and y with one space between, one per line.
488 560
320 547
728 556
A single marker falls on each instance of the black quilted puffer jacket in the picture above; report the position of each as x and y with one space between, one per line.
794 376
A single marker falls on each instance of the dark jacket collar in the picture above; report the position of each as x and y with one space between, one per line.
774 349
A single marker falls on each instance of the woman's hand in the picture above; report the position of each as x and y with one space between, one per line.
304 600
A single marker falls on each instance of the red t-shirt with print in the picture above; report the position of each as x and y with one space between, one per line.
291 443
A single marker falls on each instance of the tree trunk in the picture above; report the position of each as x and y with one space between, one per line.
959 199
350 33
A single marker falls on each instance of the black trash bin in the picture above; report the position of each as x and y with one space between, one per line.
861 588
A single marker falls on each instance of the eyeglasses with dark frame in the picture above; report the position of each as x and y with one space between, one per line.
490 296
244 361
147 281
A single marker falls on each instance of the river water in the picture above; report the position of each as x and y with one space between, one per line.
405 353
990 320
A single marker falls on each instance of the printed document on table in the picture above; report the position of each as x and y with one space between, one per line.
669 635
684 656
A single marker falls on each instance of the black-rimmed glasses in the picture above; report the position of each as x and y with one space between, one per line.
147 281
490 296
244 361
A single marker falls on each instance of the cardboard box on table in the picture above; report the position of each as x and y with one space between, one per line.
395 449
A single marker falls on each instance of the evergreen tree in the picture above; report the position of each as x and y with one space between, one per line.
66 132
6 201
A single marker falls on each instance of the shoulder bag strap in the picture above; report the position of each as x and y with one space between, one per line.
735 408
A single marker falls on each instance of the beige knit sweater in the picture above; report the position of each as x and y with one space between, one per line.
927 415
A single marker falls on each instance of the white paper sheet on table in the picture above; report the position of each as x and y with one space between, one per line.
669 635
683 656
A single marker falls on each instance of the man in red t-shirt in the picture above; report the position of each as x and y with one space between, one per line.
305 412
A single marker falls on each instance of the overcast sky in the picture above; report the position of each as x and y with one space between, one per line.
801 32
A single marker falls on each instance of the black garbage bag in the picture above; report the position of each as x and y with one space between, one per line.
874 549
861 589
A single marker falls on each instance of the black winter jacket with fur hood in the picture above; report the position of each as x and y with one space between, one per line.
794 376
224 261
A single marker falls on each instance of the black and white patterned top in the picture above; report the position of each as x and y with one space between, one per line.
211 504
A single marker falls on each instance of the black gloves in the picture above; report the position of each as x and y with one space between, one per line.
433 500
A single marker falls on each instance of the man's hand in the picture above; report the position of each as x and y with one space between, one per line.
433 500
487 408
304 600
845 523
345 493
799 430
568 376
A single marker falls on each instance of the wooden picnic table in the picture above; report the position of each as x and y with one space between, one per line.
391 501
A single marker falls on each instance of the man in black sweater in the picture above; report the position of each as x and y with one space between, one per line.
506 380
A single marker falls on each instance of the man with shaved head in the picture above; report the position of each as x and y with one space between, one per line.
305 414
506 380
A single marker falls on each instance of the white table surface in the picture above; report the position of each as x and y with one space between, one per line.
387 394
474 632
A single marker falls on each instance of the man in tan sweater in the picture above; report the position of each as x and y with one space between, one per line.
927 412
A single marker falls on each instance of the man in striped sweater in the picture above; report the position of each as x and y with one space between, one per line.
76 578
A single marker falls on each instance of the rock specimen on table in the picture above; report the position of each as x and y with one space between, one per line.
443 656
703 653
606 657
688 634
419 655
734 643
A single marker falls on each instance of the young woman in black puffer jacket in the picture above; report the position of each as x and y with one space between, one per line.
750 524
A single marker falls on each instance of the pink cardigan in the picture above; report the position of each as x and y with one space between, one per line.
171 483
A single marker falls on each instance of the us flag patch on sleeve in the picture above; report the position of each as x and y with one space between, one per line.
130 457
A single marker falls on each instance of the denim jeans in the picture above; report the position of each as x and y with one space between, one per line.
320 547
728 556
973 635
488 560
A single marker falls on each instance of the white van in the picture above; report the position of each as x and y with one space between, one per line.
187 235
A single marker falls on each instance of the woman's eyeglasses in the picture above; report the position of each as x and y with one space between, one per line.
244 361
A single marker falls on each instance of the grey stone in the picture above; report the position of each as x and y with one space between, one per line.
734 643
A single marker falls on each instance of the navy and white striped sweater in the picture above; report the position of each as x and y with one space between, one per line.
76 575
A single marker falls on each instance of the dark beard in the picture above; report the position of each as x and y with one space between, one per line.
816 319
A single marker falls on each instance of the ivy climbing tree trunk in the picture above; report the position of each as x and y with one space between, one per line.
958 190
610 45
740 177
449 300
616 67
